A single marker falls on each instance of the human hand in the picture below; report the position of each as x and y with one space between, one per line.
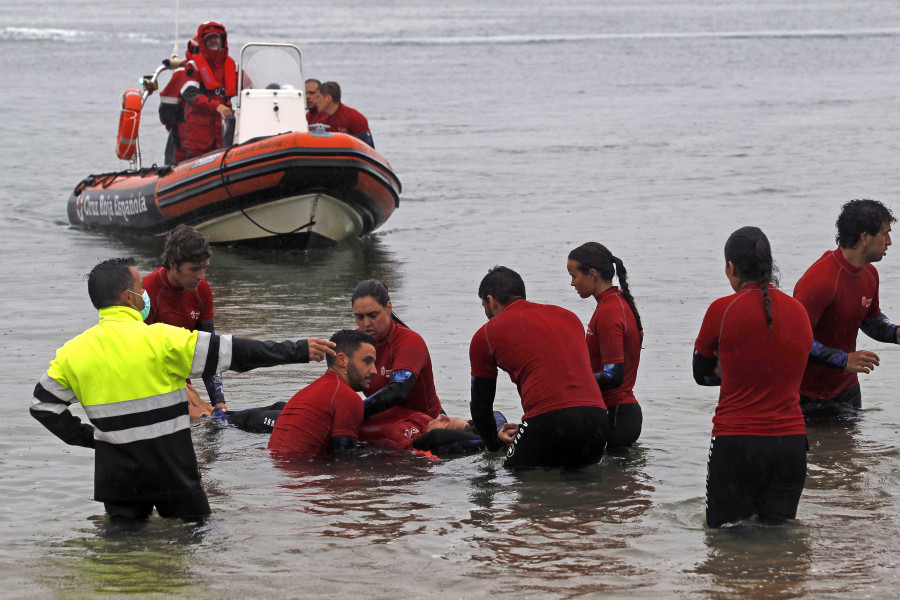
718 370
508 433
319 348
220 406
861 361
224 111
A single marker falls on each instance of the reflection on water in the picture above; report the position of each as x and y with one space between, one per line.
155 557
559 523
756 561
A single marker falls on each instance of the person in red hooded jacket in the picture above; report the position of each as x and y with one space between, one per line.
171 108
211 82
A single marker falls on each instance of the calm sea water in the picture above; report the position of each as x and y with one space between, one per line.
519 130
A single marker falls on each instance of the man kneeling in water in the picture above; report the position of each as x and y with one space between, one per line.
397 427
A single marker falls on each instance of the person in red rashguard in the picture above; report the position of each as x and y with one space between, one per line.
180 296
840 294
405 377
340 118
754 344
326 415
541 347
211 82
614 337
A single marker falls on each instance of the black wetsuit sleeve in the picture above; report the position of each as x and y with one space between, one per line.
611 376
343 444
880 329
833 358
704 370
247 354
482 409
390 395
61 423
214 383
448 441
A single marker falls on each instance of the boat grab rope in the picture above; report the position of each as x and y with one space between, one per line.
243 212
104 180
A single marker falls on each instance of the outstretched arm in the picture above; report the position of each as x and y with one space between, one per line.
860 361
399 385
881 329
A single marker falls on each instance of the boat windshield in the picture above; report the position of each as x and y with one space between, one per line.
271 66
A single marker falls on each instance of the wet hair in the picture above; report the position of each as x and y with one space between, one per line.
593 255
347 342
331 88
185 244
504 284
858 217
108 280
372 288
749 251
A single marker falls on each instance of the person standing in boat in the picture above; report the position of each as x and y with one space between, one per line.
340 118
541 347
180 296
614 337
171 108
405 377
754 344
211 82
312 96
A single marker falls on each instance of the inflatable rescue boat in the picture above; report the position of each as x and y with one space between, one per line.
281 183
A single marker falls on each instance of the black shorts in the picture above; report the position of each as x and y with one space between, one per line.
191 506
754 475
569 437
624 425
847 403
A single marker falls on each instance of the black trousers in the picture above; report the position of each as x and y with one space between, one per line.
190 507
625 422
754 475
569 437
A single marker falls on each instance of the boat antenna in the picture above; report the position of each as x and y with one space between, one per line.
175 46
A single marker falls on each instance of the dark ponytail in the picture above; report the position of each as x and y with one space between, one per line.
593 255
372 288
749 251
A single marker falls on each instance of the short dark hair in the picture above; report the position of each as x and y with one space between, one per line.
331 88
504 284
315 81
108 280
858 217
185 244
347 342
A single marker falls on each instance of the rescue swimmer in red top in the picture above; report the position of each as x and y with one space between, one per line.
211 82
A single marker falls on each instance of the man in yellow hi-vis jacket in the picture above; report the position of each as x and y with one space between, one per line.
130 378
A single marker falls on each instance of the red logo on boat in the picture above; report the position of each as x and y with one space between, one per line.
79 207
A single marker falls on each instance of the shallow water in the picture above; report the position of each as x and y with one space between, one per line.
518 132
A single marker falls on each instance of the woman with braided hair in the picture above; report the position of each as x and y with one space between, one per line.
754 344
614 337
